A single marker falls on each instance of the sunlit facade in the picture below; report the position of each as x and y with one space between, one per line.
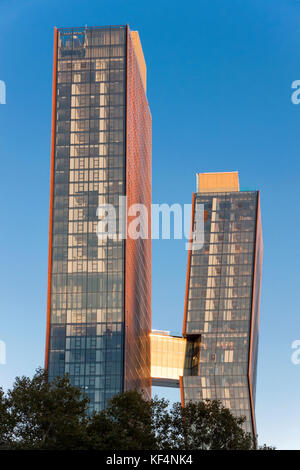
168 355
221 314
99 291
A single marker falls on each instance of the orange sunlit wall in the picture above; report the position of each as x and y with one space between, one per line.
51 198
255 314
137 252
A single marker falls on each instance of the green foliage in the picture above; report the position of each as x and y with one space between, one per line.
36 414
208 425
6 422
43 415
125 424
265 447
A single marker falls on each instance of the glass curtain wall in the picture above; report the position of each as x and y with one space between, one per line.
87 280
220 301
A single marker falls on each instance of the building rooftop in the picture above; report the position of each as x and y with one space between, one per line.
217 182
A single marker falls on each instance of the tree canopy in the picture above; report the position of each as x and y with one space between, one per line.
37 414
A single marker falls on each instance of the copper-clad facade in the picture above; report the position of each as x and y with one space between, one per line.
137 251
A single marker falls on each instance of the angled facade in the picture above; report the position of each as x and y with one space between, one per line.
99 291
221 314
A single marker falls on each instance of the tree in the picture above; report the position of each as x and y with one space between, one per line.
162 421
38 414
44 415
208 425
132 423
126 424
6 422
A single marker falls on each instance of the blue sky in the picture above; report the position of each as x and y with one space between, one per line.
219 88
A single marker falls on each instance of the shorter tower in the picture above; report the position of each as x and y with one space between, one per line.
221 314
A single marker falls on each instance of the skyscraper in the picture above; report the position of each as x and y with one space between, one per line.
216 356
221 315
99 291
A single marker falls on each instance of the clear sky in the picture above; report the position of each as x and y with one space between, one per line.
219 88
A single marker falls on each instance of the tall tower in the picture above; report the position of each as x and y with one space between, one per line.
99 291
221 314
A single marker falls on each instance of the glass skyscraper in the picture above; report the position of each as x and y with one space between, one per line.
99 291
221 314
